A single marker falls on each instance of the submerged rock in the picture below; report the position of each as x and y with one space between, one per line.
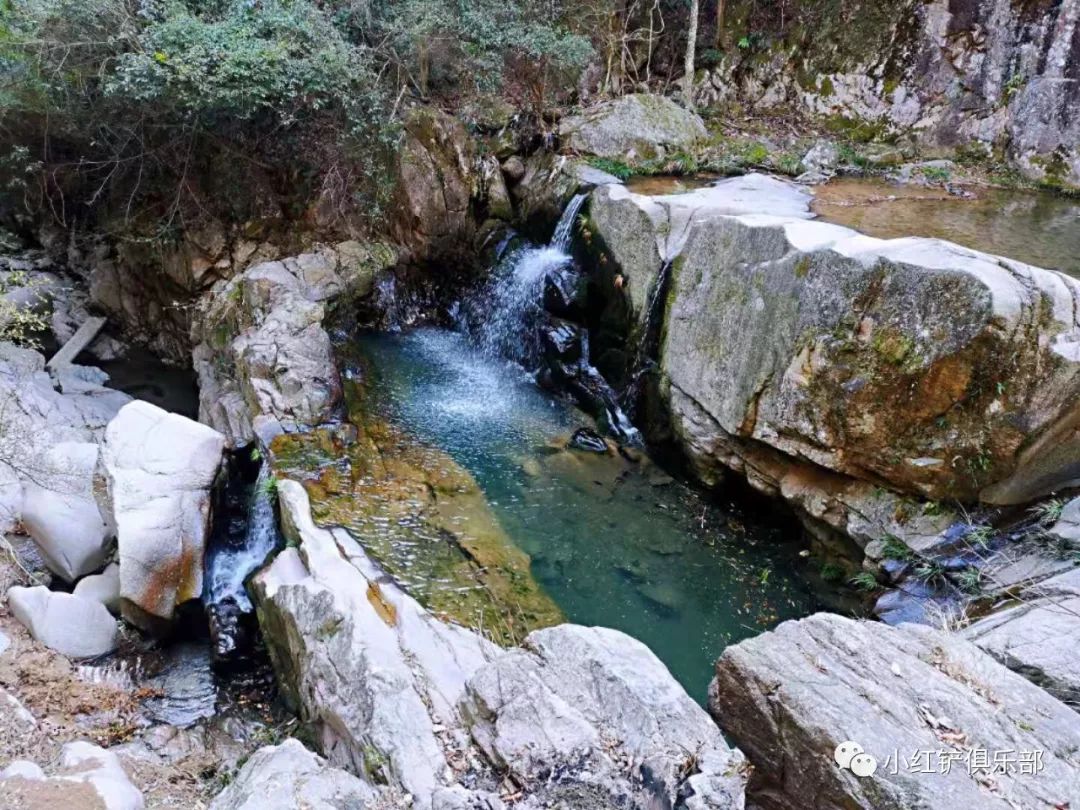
71 625
638 126
790 697
157 469
288 776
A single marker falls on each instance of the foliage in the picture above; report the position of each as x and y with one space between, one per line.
174 105
864 581
20 321
613 166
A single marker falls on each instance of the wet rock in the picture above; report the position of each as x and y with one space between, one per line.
788 698
561 342
1039 637
103 588
288 776
75 627
86 777
231 632
550 181
588 440
638 126
543 713
155 476
59 511
514 169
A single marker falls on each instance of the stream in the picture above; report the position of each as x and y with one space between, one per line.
615 543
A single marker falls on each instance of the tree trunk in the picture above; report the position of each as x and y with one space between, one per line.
688 65
720 4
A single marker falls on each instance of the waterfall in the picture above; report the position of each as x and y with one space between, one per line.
232 564
564 230
506 317
507 310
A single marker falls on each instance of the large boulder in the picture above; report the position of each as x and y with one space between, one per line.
578 717
942 372
947 725
601 711
549 181
154 485
288 776
60 513
946 373
71 625
86 777
374 673
261 352
634 127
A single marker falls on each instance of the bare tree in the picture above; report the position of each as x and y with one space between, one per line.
688 65
720 6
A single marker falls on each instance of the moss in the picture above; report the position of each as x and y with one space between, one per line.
802 267
826 89
422 517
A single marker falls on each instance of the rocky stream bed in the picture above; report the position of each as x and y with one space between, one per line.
793 484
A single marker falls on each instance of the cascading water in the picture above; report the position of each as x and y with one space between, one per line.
232 565
507 316
249 536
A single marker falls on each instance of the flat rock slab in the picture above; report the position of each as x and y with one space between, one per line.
908 696
1040 637
86 778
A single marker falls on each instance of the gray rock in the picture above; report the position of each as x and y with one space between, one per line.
59 511
822 158
789 697
373 672
639 126
1040 637
155 476
86 776
1067 527
846 351
5 642
103 588
261 350
75 627
288 776
584 711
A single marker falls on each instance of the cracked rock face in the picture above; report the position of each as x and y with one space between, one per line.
154 480
790 697
578 717
944 372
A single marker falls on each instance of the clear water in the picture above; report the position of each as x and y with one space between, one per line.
615 543
230 564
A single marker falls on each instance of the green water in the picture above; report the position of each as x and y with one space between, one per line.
614 542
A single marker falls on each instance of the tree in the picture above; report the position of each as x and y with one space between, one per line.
688 63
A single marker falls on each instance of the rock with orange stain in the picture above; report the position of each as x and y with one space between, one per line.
154 488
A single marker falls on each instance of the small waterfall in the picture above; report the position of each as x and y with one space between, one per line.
564 229
648 338
507 316
232 565
508 308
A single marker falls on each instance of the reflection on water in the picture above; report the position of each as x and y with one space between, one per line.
614 540
1037 228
